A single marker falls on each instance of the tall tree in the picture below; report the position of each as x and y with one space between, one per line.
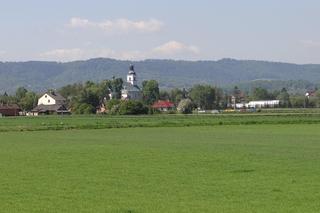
150 90
21 93
29 101
284 98
203 96
6 99
114 86
71 90
236 93
260 94
176 95
164 95
220 101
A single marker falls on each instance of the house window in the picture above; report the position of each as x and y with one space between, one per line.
45 96
49 101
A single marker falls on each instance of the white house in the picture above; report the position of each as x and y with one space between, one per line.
51 98
131 90
50 102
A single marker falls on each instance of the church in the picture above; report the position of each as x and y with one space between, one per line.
131 90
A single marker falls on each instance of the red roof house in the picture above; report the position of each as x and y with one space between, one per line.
163 105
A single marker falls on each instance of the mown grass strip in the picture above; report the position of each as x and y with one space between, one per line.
107 122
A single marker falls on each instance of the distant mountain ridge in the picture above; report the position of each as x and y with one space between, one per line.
39 76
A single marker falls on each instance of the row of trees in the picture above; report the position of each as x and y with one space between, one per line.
85 98
27 100
263 94
286 100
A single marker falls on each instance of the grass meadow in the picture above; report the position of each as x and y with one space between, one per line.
106 122
205 168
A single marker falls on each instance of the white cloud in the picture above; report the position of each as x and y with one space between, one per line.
172 49
118 25
311 43
63 54
2 52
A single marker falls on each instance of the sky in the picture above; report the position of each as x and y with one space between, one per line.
67 30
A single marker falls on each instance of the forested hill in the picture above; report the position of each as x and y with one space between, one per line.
39 76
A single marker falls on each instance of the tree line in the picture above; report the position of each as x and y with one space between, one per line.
88 97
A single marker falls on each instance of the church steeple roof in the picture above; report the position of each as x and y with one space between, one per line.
131 69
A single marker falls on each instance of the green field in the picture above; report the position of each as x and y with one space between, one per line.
107 122
204 168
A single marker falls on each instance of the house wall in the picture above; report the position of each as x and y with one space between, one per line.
165 109
131 95
135 95
46 99
32 114
124 94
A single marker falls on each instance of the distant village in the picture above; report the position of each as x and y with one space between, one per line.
116 96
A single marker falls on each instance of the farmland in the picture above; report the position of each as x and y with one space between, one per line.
106 122
233 163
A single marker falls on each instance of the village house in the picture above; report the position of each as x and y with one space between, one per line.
163 106
50 102
237 100
9 110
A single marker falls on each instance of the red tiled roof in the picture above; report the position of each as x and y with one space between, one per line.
163 104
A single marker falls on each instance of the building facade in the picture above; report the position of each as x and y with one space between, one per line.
131 90
50 102
263 104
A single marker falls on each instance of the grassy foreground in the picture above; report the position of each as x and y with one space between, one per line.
256 168
107 122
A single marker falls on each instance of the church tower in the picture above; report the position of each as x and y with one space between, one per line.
131 90
132 77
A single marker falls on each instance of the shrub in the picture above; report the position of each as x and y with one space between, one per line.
185 106
84 109
130 107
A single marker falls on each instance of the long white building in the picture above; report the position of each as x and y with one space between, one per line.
263 104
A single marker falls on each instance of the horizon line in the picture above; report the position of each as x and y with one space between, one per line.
157 59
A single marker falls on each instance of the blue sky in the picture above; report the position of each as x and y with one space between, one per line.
282 30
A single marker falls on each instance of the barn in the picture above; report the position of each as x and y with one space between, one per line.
9 110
